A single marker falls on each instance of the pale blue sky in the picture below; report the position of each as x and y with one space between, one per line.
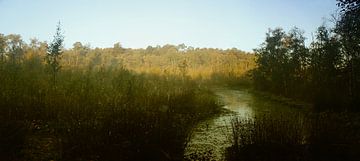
139 23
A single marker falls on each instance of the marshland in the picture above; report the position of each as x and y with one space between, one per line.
292 96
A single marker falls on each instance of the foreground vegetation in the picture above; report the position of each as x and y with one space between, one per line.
96 114
322 136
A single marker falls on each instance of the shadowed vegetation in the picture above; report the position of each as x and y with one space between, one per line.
326 73
322 136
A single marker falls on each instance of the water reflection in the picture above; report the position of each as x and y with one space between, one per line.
237 101
278 122
214 134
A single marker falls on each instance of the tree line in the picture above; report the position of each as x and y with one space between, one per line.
178 60
326 73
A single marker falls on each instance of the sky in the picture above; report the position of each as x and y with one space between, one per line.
222 24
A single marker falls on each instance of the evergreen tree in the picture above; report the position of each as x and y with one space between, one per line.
54 52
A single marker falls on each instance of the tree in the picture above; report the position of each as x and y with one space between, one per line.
282 62
34 43
14 47
181 47
348 27
54 52
325 68
297 63
169 49
118 48
272 60
2 47
77 46
32 49
81 49
297 51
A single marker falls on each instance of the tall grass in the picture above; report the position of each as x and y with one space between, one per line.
104 113
265 129
292 136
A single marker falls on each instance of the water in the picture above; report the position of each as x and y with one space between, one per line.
214 134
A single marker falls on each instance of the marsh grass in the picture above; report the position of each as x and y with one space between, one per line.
104 113
320 136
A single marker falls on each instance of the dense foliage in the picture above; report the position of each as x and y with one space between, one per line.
326 73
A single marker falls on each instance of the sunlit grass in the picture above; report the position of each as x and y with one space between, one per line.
104 113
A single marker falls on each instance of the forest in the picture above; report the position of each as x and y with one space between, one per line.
87 103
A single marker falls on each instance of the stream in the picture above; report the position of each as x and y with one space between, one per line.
213 135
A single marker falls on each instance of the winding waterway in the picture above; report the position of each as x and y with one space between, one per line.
214 134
